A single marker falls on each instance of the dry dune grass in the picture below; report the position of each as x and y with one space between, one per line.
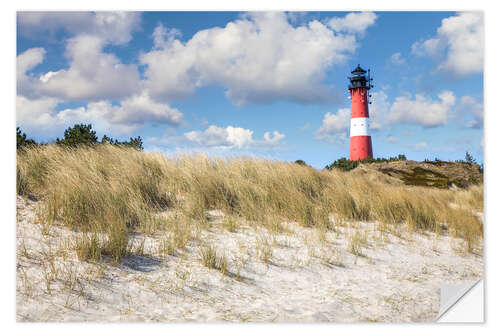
112 191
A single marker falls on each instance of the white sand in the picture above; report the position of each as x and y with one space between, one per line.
396 280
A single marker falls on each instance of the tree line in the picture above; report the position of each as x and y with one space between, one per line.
80 135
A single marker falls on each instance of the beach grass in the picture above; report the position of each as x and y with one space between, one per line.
112 191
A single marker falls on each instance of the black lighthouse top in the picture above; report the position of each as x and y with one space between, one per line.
359 79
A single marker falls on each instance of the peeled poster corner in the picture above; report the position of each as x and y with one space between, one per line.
462 303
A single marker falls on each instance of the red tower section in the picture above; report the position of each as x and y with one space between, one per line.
361 141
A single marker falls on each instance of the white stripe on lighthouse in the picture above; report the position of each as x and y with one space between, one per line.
359 126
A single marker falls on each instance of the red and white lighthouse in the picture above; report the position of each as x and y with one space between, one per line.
361 141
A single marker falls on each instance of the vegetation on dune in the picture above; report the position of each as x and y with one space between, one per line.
22 141
80 135
109 191
301 162
437 173
346 165
422 177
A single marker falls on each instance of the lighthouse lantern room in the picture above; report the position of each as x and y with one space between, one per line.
361 141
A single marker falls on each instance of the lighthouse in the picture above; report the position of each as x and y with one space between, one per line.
361 141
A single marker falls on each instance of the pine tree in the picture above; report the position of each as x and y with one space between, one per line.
78 135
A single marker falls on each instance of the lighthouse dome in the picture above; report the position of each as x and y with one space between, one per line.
358 71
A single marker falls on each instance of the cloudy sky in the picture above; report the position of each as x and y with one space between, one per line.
266 84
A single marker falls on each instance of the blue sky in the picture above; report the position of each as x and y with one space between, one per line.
260 84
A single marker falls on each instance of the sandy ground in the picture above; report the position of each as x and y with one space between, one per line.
306 279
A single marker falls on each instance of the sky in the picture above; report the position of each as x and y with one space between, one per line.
266 84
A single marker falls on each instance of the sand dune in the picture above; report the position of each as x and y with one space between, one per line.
306 278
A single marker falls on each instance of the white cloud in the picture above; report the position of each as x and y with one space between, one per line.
335 138
273 138
131 114
231 137
164 37
217 138
430 47
378 110
334 126
418 110
465 38
459 41
469 107
397 59
258 58
353 22
92 74
337 122
29 59
113 27
117 27
140 109
26 61
39 116
100 115
422 110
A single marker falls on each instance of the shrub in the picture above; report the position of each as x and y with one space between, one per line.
343 164
469 159
77 135
301 162
132 143
82 134
22 141
346 165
